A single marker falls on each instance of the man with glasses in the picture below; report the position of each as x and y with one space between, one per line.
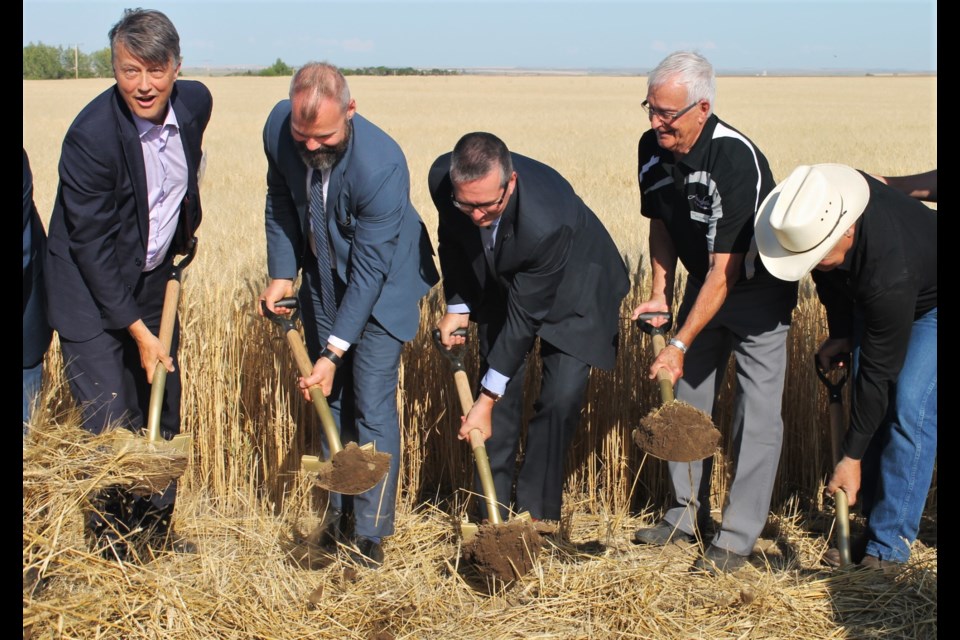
524 257
338 213
701 182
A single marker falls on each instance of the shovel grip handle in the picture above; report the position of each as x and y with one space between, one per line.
316 395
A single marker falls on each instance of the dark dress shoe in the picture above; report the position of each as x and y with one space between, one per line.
716 560
660 534
367 553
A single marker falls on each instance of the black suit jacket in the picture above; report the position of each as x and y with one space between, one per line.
98 232
558 274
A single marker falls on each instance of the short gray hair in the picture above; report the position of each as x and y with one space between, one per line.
476 154
316 82
147 35
689 69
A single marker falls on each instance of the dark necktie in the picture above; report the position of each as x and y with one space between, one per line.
318 220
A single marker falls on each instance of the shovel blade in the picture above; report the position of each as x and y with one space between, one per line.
677 432
351 471
123 440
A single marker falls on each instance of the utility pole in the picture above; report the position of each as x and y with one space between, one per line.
76 61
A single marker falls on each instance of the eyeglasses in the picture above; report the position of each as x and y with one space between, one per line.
666 117
484 207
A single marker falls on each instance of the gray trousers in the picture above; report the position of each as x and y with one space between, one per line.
752 325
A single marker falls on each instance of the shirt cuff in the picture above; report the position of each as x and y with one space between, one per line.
338 343
458 308
495 381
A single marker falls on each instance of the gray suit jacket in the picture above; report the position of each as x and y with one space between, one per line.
383 250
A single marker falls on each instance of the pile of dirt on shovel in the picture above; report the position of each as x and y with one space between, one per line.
678 432
354 469
504 551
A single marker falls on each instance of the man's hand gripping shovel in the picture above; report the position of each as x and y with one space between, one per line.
502 550
676 431
351 469
840 363
177 450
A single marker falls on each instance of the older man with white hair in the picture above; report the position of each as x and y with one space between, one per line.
872 251
701 182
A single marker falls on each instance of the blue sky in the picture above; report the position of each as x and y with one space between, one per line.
775 35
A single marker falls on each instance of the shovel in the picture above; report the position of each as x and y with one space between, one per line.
352 469
503 550
834 389
182 443
676 431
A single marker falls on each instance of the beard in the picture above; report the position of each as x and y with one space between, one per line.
326 156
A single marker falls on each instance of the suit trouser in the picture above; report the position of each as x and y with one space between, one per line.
549 433
363 402
752 324
109 384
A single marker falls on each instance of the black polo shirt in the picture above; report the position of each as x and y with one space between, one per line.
709 198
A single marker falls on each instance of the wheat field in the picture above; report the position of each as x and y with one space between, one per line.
250 428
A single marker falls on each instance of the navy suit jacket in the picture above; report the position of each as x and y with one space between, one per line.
98 232
36 331
558 273
383 250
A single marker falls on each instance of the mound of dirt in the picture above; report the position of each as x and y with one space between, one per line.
677 432
504 551
354 470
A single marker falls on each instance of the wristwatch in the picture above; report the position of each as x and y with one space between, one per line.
490 394
332 357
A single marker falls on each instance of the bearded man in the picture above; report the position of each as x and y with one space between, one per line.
338 213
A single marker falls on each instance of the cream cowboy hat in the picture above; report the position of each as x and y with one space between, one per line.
804 216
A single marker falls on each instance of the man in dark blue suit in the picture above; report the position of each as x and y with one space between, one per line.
128 201
338 212
525 258
36 330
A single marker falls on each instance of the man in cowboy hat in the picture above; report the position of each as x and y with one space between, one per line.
872 251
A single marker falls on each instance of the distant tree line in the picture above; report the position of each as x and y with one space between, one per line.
281 68
44 62
397 71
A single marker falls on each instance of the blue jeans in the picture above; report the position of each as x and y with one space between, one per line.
898 465
32 377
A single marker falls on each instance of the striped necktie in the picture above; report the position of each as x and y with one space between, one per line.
318 221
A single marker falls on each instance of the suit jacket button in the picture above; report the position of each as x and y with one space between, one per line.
138 262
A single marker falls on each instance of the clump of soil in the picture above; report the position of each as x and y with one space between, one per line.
353 470
504 551
677 432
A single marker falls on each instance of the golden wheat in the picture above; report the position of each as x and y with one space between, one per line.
250 426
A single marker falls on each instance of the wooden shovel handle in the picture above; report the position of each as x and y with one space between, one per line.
663 374
479 450
168 321
316 395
